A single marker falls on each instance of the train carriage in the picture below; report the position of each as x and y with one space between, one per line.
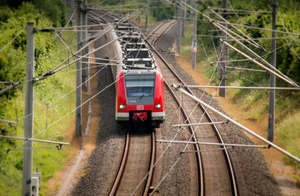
139 82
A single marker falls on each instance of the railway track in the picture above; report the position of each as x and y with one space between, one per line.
97 15
215 171
199 170
216 175
136 169
135 172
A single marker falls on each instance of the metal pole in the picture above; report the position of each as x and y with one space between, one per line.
28 122
71 4
121 12
78 75
85 51
271 121
178 28
147 14
223 55
183 19
238 124
136 9
194 42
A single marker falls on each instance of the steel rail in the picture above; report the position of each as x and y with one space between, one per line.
105 14
151 166
184 113
226 154
122 166
171 22
120 172
125 157
197 149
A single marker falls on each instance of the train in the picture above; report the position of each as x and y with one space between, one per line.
138 79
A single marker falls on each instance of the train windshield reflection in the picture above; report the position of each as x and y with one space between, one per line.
140 88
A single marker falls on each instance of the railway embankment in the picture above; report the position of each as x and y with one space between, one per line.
285 173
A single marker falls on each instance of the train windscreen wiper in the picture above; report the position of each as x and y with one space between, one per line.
145 93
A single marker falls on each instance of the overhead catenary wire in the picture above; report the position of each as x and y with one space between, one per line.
56 68
74 27
287 79
12 85
34 140
241 87
111 60
212 143
178 158
64 28
153 191
237 10
93 51
89 99
54 52
277 94
170 144
8 121
262 29
262 38
226 30
246 69
71 110
248 40
240 125
261 65
63 41
287 40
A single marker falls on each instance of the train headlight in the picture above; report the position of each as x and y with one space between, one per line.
157 106
122 106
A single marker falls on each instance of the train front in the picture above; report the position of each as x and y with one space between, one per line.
140 96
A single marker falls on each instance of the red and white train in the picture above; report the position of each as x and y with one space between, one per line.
139 82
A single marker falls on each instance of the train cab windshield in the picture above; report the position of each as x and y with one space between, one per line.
140 88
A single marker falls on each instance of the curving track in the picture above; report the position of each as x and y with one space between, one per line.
216 175
176 172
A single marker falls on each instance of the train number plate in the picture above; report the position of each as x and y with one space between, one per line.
139 107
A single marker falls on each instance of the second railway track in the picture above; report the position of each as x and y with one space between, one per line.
216 174
171 177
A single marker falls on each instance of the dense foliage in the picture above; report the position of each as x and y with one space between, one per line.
13 57
288 49
288 53
52 9
14 16
159 9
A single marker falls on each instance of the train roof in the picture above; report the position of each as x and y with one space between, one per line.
133 74
135 53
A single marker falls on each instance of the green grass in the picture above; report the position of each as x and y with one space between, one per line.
51 119
288 135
